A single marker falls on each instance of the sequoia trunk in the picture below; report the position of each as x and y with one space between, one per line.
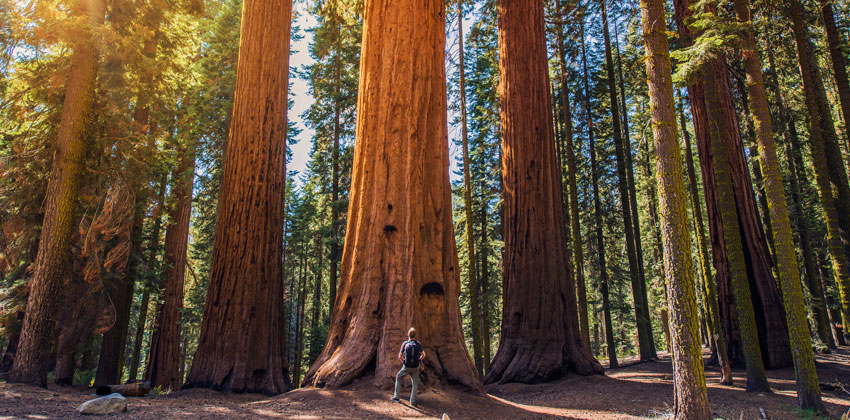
241 347
540 337
399 265
164 356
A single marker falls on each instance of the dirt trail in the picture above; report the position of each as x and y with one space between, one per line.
636 391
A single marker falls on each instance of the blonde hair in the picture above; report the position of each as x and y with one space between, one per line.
411 332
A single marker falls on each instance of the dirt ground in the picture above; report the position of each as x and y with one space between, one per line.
636 391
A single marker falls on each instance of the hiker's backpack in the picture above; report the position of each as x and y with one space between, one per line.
412 352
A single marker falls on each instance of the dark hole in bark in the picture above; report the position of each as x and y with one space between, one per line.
389 229
258 373
432 288
389 207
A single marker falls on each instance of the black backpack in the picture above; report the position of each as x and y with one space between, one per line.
412 352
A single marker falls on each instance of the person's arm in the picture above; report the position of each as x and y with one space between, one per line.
423 356
401 354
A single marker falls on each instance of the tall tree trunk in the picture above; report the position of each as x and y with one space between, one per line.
770 316
808 390
241 347
691 395
472 271
110 365
709 286
485 287
830 184
630 178
797 177
569 151
164 356
756 379
399 265
153 251
32 359
839 63
597 215
540 338
644 330
334 251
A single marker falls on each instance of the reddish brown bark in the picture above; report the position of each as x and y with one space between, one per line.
770 316
241 343
32 359
164 355
399 266
540 338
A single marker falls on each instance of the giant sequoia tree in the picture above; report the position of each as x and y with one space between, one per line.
399 265
540 337
241 345
45 298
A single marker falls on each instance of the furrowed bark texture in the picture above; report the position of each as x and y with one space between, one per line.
756 379
164 355
32 359
540 338
808 390
770 315
399 266
691 395
241 346
709 286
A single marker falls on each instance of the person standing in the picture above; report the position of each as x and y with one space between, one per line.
410 355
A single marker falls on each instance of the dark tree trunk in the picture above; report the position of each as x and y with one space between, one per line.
241 347
709 286
597 215
111 361
163 367
570 156
399 265
644 330
540 337
32 359
153 250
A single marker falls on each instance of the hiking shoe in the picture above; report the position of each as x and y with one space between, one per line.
395 399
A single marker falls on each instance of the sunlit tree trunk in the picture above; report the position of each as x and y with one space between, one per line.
32 359
399 265
808 390
691 395
241 347
837 52
540 337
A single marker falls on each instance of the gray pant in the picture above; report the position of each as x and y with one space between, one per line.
414 377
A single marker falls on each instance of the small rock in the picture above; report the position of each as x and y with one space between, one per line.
112 403
446 417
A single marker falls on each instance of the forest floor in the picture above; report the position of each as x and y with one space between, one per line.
637 390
